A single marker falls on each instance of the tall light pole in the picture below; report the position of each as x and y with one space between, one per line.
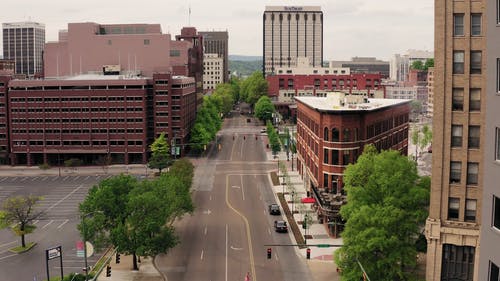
84 236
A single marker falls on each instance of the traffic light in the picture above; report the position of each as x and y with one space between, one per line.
269 253
255 137
117 258
244 137
108 271
308 253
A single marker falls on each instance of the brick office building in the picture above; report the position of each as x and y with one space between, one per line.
331 133
92 117
283 88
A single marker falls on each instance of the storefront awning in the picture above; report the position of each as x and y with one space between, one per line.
308 200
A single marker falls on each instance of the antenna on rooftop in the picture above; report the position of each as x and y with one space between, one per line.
189 16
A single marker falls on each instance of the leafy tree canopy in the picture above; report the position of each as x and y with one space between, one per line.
264 108
385 210
20 212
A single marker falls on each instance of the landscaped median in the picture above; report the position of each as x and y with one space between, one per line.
291 221
21 249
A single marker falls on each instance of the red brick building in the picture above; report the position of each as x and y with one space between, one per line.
93 117
283 88
331 133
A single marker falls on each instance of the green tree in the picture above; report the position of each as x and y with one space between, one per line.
264 108
416 109
160 156
421 138
253 88
386 208
223 92
273 138
428 63
419 65
137 217
20 212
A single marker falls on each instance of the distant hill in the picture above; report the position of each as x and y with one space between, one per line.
244 58
245 67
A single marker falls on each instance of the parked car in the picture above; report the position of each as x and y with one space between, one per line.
429 149
280 226
264 130
274 209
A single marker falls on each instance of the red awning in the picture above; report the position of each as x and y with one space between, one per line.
308 200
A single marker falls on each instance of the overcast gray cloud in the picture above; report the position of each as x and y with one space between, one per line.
351 27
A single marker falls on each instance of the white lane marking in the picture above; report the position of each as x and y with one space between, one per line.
3 179
2 258
205 232
210 197
236 249
269 231
276 257
64 198
65 178
61 225
36 221
242 189
25 178
55 178
8 243
201 257
77 177
50 222
87 177
226 252
45 178
34 179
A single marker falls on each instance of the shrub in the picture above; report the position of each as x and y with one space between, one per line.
73 162
44 166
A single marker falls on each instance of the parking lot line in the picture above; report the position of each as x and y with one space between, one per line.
3 179
34 179
25 178
61 225
49 223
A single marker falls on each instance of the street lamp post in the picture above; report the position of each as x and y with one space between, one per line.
85 242
293 201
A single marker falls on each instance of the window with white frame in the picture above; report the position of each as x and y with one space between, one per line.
456 135
470 210
494 272
458 24
458 62
475 62
497 144
475 24
496 212
453 207
472 172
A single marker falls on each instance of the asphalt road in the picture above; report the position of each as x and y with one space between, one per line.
226 237
56 227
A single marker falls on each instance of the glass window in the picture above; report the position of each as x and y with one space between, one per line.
458 99
458 24
346 156
494 272
470 210
496 212
458 62
474 136
475 24
457 263
497 144
472 170
347 135
453 207
475 62
335 157
335 134
326 132
475 100
456 135
455 172
325 156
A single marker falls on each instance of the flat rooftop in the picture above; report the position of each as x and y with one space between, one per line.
338 102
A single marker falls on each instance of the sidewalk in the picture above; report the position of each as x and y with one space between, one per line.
321 264
123 271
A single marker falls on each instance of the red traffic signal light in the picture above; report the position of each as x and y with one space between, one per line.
108 271
269 253
308 253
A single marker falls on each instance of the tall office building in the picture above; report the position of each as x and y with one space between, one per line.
291 32
24 42
216 42
489 256
465 174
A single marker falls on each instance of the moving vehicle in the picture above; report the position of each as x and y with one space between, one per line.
280 226
274 209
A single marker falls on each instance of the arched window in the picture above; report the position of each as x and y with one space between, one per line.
326 132
335 134
347 135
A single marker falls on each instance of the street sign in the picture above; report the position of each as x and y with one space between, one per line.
323 245
53 253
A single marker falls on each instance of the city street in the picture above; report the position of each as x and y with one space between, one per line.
56 227
226 237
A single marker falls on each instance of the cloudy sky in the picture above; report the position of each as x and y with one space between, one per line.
377 28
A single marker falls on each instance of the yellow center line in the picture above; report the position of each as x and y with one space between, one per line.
247 225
